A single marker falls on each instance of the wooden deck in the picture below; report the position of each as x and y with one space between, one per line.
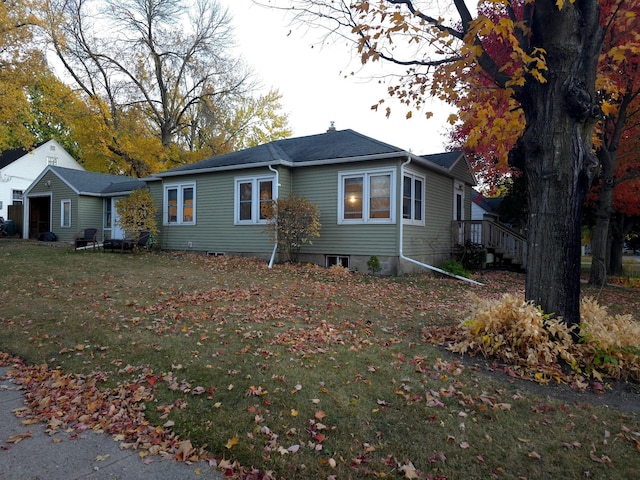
504 246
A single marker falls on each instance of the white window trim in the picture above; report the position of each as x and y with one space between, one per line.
458 188
62 204
165 211
415 176
366 174
17 198
255 198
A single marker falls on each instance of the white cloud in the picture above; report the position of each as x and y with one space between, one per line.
311 79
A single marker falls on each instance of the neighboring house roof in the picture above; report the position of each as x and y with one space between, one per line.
9 156
489 205
92 183
445 160
338 146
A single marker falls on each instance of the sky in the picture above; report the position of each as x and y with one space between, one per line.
311 79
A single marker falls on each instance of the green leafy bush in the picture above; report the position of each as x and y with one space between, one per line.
137 212
292 222
374 264
454 267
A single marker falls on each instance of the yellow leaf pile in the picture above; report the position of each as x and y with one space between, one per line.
518 333
610 345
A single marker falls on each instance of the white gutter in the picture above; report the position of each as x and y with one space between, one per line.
275 246
411 260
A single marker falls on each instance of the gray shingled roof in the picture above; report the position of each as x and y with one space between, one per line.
92 183
445 160
488 204
334 145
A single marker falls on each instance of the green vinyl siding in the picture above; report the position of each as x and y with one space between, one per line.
319 185
214 230
432 240
285 182
462 172
90 214
86 211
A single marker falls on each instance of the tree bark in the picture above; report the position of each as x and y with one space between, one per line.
556 151
616 244
600 240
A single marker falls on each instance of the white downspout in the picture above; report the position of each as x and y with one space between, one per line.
411 260
275 246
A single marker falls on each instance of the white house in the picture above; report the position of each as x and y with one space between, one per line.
20 167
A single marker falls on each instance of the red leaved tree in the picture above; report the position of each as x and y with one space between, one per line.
618 85
550 73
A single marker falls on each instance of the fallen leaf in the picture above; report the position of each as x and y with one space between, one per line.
185 450
320 415
198 391
19 437
534 455
231 442
409 471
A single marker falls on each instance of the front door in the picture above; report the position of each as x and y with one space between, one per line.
116 231
458 209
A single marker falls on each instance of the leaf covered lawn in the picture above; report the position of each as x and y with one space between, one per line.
294 372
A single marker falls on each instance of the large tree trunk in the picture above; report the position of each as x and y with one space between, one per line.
600 240
616 244
556 151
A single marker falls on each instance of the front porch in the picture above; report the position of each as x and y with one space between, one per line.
504 247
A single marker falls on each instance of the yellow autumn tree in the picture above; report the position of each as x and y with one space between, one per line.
19 60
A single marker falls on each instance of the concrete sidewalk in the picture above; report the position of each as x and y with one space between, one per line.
87 456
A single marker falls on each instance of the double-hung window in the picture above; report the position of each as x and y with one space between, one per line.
65 213
180 204
413 198
16 196
366 197
254 196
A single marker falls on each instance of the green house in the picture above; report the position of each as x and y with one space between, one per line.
374 199
64 201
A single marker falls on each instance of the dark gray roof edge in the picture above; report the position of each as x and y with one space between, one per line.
109 191
333 161
312 163
456 154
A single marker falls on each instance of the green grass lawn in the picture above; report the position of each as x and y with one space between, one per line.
298 372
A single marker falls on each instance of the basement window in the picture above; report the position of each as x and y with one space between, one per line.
342 260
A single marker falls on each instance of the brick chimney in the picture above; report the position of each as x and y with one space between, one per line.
332 127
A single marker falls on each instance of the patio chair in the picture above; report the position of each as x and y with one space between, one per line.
86 237
127 244
141 241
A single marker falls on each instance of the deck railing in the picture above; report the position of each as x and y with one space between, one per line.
503 243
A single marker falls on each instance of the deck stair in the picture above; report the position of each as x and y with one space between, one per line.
505 247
